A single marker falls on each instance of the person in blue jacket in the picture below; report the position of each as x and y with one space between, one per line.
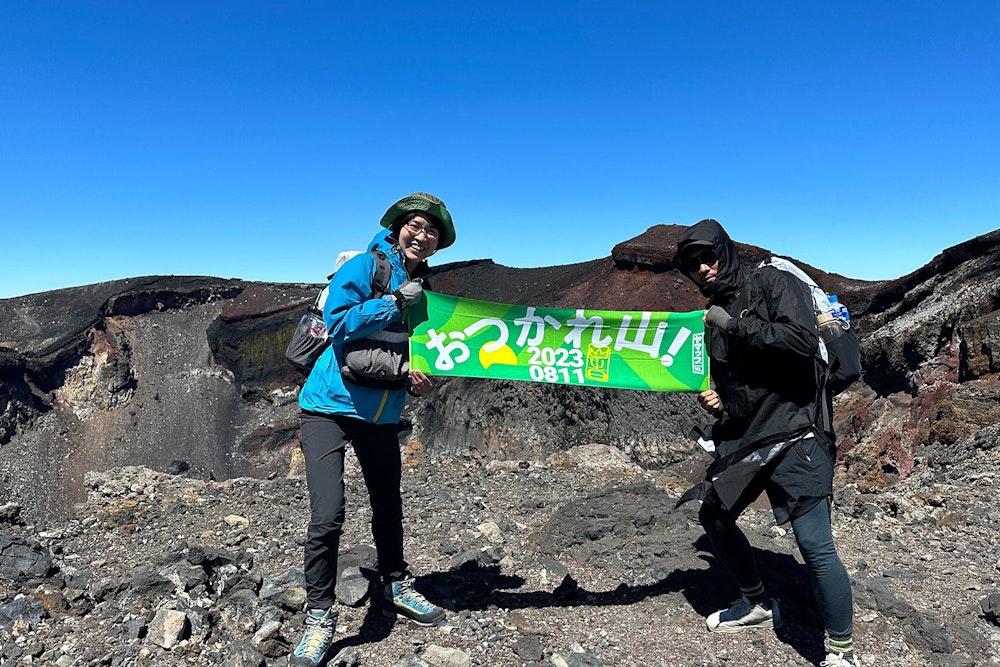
355 393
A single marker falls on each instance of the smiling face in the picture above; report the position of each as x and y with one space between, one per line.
418 239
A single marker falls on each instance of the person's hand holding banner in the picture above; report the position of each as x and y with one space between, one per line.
409 293
717 318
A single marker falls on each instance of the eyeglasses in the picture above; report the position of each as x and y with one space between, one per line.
692 263
431 233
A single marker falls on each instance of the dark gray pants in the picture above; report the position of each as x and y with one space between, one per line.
814 536
377 447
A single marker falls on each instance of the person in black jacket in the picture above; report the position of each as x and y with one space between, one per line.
767 400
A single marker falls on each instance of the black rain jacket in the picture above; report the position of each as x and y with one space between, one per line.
765 365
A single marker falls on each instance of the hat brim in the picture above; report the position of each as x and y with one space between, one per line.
694 245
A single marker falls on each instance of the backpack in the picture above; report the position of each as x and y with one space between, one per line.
310 338
842 354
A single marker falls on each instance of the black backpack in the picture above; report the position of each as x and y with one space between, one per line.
843 352
844 361
310 338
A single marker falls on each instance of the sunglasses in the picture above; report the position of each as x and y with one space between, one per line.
692 263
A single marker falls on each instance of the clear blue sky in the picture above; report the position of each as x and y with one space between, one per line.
257 139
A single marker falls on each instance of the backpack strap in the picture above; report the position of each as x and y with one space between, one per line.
380 282
754 295
383 273
822 417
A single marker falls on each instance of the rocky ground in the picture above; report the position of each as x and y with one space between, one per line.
579 560
543 556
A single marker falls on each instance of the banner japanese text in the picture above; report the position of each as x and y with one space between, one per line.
598 348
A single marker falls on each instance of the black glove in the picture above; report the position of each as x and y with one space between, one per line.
717 318
409 293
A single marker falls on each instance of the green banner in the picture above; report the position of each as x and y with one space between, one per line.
597 348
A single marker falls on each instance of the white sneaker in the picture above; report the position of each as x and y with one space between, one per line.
744 615
839 660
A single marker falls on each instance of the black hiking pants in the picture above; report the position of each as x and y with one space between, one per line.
814 536
324 438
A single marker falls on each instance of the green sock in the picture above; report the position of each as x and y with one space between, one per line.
842 645
757 595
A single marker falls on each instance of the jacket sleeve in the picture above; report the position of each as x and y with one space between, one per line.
350 312
784 320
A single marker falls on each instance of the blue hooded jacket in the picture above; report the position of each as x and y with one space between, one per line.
350 313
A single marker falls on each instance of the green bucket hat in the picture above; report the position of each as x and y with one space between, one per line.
421 201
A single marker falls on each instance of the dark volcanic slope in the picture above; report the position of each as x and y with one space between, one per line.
638 276
125 373
151 370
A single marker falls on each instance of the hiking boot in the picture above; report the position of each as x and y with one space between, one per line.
744 615
840 660
320 626
400 598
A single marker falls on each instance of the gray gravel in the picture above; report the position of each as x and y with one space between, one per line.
576 560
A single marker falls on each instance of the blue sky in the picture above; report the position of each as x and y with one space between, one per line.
256 140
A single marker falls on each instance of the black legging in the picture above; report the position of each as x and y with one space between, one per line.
814 536
377 449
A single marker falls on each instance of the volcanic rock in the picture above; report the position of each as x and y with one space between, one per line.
534 512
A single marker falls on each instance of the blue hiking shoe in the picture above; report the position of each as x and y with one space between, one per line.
320 626
400 598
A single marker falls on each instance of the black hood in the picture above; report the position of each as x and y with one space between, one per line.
730 276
